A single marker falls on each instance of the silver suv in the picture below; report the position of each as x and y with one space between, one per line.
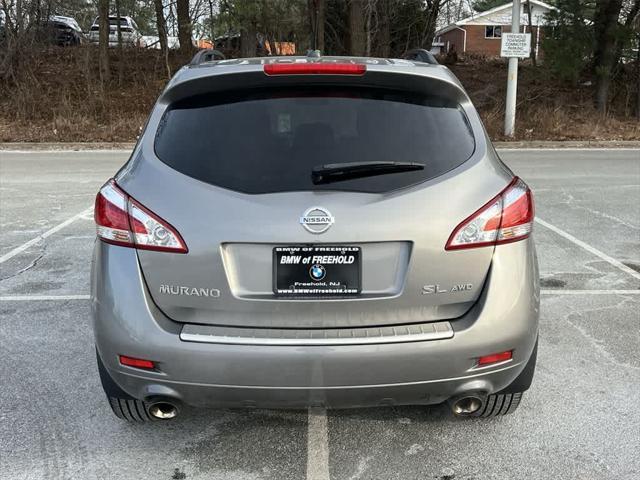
329 231
128 30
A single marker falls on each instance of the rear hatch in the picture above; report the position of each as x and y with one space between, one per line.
274 193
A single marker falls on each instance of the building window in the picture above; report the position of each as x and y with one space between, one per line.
493 32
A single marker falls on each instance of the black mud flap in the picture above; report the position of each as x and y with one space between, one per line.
110 387
523 381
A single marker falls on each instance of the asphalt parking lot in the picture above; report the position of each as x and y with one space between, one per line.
580 420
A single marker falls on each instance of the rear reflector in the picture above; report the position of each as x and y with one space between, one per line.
315 68
137 362
495 358
123 221
508 217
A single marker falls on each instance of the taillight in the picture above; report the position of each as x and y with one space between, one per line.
110 215
315 68
506 218
123 221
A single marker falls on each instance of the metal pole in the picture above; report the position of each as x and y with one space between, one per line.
512 78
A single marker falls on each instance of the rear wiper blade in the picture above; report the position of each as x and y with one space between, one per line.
337 172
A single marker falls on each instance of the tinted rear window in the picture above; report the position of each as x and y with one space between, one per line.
269 141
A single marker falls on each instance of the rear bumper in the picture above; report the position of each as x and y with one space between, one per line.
422 372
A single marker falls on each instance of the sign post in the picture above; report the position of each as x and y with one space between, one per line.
514 45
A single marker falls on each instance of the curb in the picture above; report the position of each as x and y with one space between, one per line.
540 144
551 144
65 146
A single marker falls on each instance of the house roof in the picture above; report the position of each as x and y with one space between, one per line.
477 18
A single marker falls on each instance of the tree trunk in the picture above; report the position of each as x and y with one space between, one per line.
430 29
211 23
19 18
385 29
532 54
162 33
317 16
638 80
368 15
605 29
248 40
184 27
120 55
118 26
357 42
103 41
629 27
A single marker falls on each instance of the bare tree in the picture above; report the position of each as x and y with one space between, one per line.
103 45
184 27
119 33
638 76
211 21
317 16
384 33
357 27
532 54
248 39
606 27
371 24
433 9
19 18
162 33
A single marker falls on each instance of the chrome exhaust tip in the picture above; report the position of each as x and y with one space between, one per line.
163 410
466 405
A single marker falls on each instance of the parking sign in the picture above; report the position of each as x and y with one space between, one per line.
515 45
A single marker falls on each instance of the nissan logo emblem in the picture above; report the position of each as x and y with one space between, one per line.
317 219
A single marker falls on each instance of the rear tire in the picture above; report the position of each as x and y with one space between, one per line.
500 404
123 405
134 411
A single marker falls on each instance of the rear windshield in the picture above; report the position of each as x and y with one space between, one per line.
270 141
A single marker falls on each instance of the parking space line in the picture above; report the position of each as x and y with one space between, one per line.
619 265
39 238
590 292
41 298
317 445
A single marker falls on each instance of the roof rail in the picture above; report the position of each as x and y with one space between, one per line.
421 55
206 55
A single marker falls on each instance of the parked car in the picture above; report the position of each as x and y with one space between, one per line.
60 30
333 231
128 29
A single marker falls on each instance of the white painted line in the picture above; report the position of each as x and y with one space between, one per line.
590 292
619 265
569 149
70 150
317 445
41 298
41 237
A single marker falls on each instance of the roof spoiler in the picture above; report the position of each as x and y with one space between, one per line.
421 55
206 55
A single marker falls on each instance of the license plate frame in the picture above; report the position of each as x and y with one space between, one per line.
336 275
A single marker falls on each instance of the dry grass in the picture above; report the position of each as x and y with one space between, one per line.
547 109
59 98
